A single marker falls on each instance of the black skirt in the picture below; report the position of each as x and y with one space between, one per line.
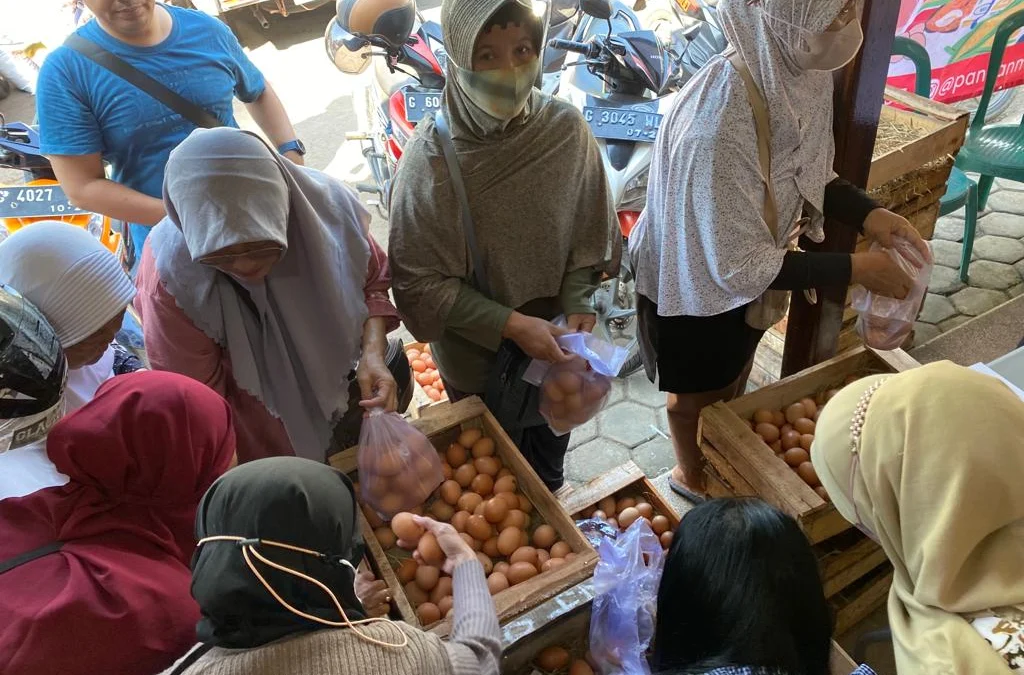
696 354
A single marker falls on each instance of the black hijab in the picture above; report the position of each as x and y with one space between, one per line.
288 500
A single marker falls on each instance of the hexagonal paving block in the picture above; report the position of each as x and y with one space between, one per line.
936 308
945 280
925 332
592 459
993 275
947 252
640 389
628 423
950 228
1016 291
618 392
1002 225
655 457
1007 201
953 322
1006 184
999 249
975 301
583 434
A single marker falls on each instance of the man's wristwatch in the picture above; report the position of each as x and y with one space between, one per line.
292 146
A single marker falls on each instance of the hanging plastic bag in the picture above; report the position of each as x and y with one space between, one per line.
626 597
398 466
885 323
573 392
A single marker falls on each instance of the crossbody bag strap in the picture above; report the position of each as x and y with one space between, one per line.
29 556
764 138
452 159
135 77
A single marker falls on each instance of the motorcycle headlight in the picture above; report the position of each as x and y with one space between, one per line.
634 197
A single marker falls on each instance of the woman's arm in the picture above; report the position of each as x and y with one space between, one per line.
848 204
475 644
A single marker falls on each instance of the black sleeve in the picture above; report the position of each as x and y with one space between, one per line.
848 204
801 271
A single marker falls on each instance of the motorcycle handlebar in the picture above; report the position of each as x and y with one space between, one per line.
584 48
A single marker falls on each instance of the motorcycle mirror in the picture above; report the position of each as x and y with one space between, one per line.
599 9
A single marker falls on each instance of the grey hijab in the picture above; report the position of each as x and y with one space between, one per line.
540 203
294 341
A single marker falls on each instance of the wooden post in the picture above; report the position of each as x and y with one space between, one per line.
812 334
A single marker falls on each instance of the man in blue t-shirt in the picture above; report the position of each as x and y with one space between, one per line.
88 115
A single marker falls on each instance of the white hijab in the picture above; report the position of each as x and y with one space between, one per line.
225 187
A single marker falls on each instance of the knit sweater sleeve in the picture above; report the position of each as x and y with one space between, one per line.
475 643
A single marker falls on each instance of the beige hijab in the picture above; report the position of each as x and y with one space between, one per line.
938 479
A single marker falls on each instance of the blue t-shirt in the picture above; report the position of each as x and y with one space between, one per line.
83 108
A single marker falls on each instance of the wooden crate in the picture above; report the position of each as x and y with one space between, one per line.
442 426
625 480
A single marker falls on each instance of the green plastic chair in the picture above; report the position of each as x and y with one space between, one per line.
996 150
961 191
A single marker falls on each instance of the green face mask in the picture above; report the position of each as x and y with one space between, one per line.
502 94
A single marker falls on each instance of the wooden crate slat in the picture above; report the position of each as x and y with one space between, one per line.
726 474
843 568
382 568
603 486
869 595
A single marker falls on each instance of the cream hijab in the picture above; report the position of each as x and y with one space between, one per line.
940 484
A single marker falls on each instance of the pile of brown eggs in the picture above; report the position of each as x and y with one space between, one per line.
621 511
558 659
480 499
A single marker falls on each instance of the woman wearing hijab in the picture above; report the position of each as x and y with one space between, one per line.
94 574
741 594
274 578
82 290
539 209
746 151
928 464
264 283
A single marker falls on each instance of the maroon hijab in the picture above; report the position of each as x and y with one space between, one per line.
115 599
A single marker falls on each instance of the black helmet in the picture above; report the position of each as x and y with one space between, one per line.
33 372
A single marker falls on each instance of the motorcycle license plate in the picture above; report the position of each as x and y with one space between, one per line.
420 104
23 201
623 124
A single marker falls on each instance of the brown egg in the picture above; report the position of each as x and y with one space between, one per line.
469 501
497 582
796 456
608 506
806 441
487 563
544 536
520 572
627 517
483 448
599 514
478 528
407 570
624 503
479 510
542 557
506 484
763 417
646 510
613 522
470 436
808 474
416 595
790 439
372 517
465 474
823 493
495 510
510 499
389 464
442 590
560 549
552 564
810 407
474 544
778 418
456 455
776 447
666 539
830 394
524 538
450 492
385 537
490 547
483 485
524 554
392 503
524 505
580 667
552 659
509 540
785 427
446 470
515 518
769 433
460 519
428 613
445 607
660 524
487 465
804 425
405 528
501 567
504 472
442 510
429 550
427 576
794 412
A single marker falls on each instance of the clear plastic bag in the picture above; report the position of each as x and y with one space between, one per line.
626 586
398 466
885 323
572 393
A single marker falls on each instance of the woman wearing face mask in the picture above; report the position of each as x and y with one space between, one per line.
713 250
539 210
897 460
264 283
274 579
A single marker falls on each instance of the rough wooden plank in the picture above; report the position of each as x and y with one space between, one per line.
570 631
839 662
604 485
897 359
844 568
938 111
869 596
726 474
823 523
382 568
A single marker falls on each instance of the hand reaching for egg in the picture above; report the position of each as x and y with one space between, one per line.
436 544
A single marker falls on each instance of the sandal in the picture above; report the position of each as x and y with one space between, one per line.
686 493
